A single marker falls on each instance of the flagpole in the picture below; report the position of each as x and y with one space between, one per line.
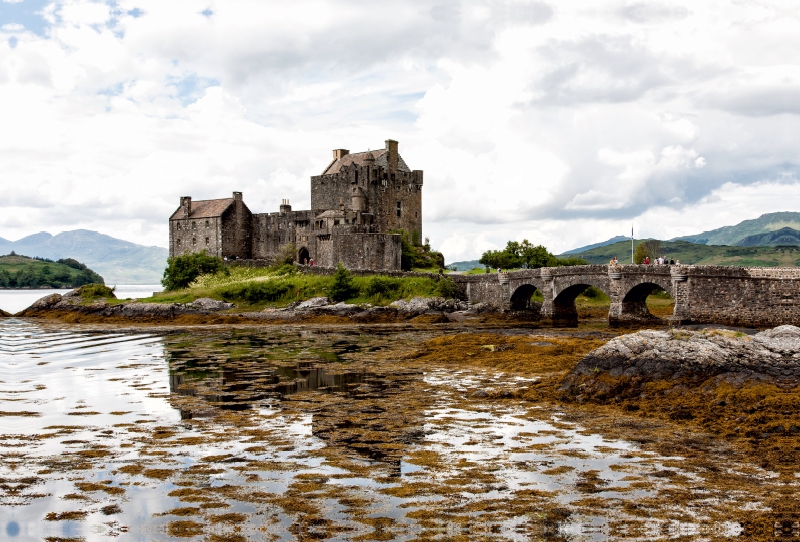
631 243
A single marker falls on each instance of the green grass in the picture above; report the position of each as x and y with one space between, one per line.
256 289
694 254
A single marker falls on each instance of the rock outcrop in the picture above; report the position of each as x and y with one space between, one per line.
422 305
690 357
208 304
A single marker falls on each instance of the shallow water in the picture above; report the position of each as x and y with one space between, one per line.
13 301
287 435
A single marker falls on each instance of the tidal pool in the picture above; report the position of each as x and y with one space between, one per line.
331 433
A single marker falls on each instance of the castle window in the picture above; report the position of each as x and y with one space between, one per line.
207 224
178 225
194 241
194 225
207 241
178 242
399 209
392 177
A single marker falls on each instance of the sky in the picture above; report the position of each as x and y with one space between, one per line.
564 123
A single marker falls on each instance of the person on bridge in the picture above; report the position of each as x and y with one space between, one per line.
672 261
646 260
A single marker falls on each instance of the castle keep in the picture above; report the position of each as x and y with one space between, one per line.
355 203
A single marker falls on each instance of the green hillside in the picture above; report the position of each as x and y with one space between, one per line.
120 262
694 254
24 272
732 235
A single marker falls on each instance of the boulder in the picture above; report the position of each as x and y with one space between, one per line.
692 356
208 304
46 302
313 303
421 305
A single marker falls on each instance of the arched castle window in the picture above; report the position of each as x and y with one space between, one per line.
399 209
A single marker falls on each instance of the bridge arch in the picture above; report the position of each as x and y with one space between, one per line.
565 312
634 303
521 298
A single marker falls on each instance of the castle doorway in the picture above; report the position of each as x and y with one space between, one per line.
303 257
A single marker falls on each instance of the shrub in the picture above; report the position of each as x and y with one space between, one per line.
183 270
255 292
342 286
449 290
381 286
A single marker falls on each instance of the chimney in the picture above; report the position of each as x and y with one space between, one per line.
340 153
186 206
237 197
285 207
391 146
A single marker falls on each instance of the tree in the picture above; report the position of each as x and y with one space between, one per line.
640 253
652 248
285 255
526 254
183 270
342 286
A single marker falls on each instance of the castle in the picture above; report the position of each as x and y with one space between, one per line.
355 203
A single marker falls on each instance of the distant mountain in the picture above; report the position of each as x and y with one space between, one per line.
118 261
697 254
733 235
611 241
782 237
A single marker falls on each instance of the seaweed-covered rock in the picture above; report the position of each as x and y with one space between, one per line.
690 356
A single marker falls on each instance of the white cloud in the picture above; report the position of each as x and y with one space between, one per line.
561 123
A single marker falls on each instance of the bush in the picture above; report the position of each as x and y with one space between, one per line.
181 271
255 292
381 286
449 290
342 286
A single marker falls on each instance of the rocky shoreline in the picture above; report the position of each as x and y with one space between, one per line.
72 307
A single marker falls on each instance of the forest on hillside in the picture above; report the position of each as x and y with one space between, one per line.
24 272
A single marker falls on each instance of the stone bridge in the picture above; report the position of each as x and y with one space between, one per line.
734 296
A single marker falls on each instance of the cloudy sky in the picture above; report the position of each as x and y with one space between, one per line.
561 122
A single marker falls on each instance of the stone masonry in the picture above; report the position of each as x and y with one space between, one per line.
358 204
734 296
